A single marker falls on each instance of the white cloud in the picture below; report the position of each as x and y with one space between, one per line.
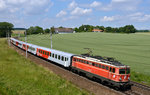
95 4
106 18
81 11
119 1
61 13
72 5
25 6
123 5
139 17
2 5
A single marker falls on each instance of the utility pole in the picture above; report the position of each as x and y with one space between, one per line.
51 38
8 37
26 41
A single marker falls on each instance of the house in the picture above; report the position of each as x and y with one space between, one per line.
18 30
63 30
97 30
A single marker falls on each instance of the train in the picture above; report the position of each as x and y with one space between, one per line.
105 70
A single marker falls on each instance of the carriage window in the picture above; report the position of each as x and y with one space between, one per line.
90 63
74 59
62 58
67 59
59 57
128 71
96 65
103 66
39 51
77 60
106 67
52 55
121 71
87 62
99 65
48 54
110 69
43 52
55 55
93 64
113 70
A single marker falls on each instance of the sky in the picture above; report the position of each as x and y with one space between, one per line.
74 13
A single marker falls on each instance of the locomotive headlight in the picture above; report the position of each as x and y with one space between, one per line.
125 77
120 79
128 78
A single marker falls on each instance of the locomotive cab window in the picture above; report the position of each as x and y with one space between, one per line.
122 71
128 71
110 69
113 70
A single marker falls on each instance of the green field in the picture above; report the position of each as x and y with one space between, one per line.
130 49
19 76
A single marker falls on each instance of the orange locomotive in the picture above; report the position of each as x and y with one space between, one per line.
105 70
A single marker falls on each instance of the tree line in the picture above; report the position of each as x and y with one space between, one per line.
89 28
6 27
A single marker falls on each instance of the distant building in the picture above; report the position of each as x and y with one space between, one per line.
63 30
18 30
97 30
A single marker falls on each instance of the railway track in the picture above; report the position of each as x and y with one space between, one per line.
138 89
82 82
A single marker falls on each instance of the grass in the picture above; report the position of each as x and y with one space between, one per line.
130 49
20 76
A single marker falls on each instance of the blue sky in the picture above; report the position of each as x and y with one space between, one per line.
73 13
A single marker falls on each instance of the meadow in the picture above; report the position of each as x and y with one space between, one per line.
129 49
20 76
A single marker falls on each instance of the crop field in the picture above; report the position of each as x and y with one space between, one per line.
129 49
20 76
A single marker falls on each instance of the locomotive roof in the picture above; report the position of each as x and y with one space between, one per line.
99 59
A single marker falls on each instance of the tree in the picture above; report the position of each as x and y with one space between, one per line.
52 29
108 29
47 30
34 30
129 29
5 27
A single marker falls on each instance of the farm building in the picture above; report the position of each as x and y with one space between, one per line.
18 30
63 30
97 30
